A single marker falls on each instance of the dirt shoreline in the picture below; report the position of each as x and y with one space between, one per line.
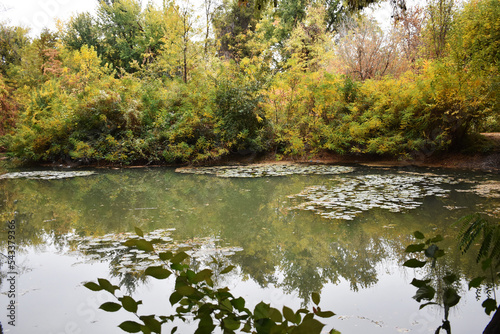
480 162
487 162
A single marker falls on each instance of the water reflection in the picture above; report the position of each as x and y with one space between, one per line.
254 215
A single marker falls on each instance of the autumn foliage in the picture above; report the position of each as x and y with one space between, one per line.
164 89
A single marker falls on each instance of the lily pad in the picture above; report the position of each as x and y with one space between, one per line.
134 261
489 189
266 170
348 196
46 175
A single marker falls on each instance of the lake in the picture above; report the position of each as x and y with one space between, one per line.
290 231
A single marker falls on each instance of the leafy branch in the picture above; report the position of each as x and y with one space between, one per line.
477 229
196 297
426 291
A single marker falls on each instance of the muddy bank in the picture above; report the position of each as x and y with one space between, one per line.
488 162
484 162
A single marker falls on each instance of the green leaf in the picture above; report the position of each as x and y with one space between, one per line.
179 257
309 315
418 235
489 305
190 274
415 248
247 328
476 282
130 243
450 297
175 297
206 325
110 307
144 245
439 253
486 264
414 263
227 269
239 304
153 324
309 326
158 272
450 279
139 232
165 256
177 266
315 298
264 325
173 330
275 315
186 290
290 315
325 314
202 276
437 238
209 282
129 304
226 305
419 283
93 286
424 293
261 311
427 304
230 323
106 285
130 327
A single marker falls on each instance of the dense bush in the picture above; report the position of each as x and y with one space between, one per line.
173 100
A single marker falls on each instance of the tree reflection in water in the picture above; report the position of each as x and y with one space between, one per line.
296 251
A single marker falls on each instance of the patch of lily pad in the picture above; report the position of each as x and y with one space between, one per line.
346 197
46 175
488 189
266 170
128 260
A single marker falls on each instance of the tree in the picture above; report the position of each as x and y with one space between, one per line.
308 41
8 108
232 23
83 29
364 50
475 51
40 60
439 18
407 32
180 51
120 22
187 29
12 41
208 8
476 38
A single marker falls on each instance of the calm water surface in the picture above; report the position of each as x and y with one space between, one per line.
282 254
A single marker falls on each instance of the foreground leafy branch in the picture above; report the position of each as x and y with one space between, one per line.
474 229
196 297
428 286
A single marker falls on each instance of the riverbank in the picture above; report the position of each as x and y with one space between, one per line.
488 162
472 158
